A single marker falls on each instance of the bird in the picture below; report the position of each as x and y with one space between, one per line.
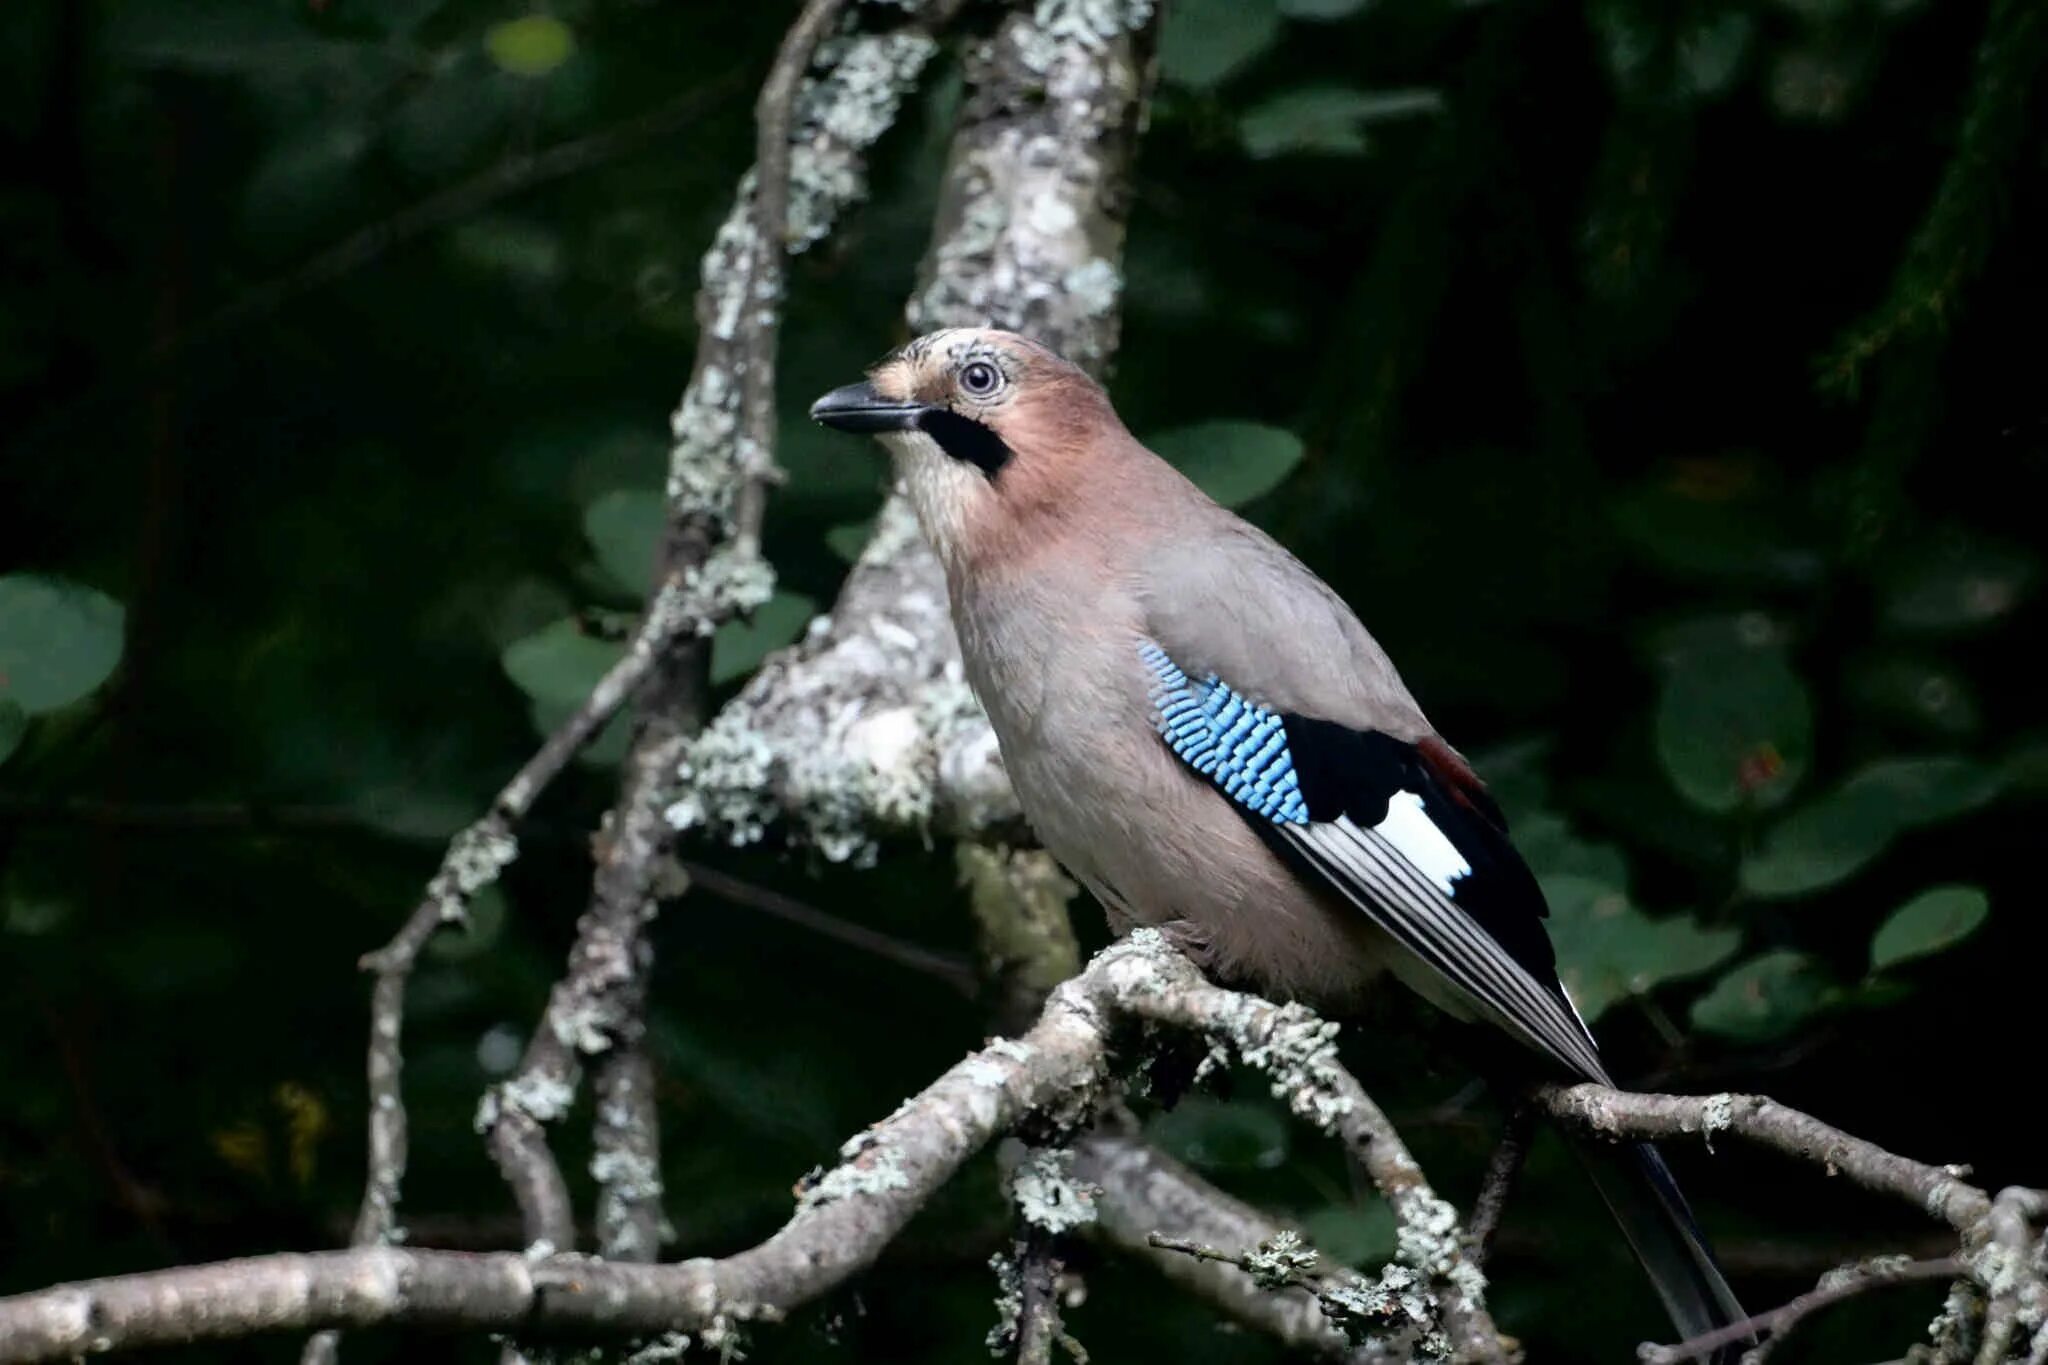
1206 737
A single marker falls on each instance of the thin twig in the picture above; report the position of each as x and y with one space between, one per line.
626 1141
1845 1282
599 1002
474 859
1289 1042
774 115
1499 1182
1038 1300
953 970
457 202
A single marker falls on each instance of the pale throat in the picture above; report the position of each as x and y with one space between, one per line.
943 491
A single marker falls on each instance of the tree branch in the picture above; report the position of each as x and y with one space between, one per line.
1144 1190
1844 1282
844 1217
847 1216
1499 1182
1940 1191
814 131
867 726
475 858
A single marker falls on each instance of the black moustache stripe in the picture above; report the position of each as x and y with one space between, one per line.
963 438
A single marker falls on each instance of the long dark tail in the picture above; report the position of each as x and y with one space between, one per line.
1644 1199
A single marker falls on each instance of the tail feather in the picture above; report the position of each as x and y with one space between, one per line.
1639 1190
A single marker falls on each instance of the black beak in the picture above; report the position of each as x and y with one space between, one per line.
857 407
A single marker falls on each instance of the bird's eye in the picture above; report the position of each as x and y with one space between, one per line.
980 379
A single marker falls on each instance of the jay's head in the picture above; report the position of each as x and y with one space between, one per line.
989 430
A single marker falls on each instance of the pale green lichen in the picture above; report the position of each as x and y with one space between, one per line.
1009 1304
474 859
626 1175
1048 1196
585 1027
734 580
1716 1116
838 113
839 116
722 1335
539 1097
723 776
1428 1239
1953 1332
1363 1310
1280 1261
1094 289
1060 26
667 1347
1299 1053
877 1171
704 428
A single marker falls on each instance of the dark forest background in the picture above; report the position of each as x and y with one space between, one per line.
1663 383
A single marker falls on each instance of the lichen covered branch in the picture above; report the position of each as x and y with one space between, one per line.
1940 1191
822 105
475 858
868 726
1055 1075
1839 1284
1145 1191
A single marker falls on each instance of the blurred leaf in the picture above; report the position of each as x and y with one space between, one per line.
1358 1235
220 36
154 961
1924 693
1547 844
1961 581
625 528
1219 1135
398 16
1765 997
1817 83
738 647
1607 950
1719 518
447 124
307 179
59 641
850 538
1932 921
1819 845
1734 729
1710 53
1920 791
1322 10
1204 42
530 46
1515 775
1326 118
559 663
1699 641
522 252
13 725
1836 836
1233 462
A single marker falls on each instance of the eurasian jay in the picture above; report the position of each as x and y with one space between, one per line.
1202 732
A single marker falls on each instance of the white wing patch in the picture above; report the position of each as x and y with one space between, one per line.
1408 828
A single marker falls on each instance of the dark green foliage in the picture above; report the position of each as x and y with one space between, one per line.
337 349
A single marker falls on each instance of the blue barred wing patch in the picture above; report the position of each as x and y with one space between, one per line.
1235 743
